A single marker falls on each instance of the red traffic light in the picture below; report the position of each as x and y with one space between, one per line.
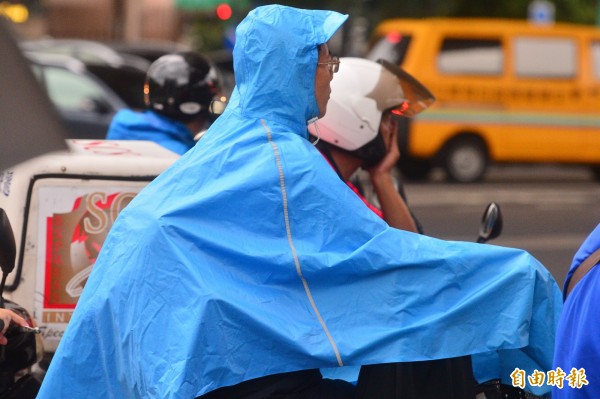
224 11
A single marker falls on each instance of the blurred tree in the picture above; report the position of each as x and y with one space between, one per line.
577 11
208 31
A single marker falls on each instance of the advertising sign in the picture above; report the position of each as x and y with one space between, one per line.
72 224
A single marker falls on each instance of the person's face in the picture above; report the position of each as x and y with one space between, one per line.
323 80
388 127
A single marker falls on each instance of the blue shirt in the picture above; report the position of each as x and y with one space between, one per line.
578 333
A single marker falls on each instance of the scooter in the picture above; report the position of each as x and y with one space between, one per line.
24 348
490 228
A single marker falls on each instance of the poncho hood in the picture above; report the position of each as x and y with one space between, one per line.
249 257
275 61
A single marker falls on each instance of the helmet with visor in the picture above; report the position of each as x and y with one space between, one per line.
361 92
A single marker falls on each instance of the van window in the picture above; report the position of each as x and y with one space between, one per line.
595 55
470 56
545 57
392 47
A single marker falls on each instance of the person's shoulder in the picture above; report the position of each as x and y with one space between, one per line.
128 113
592 242
589 246
123 122
127 116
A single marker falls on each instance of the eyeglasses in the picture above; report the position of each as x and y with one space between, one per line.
333 64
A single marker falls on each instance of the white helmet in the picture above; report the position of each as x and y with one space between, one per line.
360 92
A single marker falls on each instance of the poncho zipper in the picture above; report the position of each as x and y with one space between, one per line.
291 243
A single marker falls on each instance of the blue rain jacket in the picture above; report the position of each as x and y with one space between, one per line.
577 337
249 256
148 125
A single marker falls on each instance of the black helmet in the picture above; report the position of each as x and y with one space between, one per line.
181 86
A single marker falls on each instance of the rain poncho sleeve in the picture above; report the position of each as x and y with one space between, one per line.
250 257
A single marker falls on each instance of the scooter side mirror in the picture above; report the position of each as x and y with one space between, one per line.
491 223
8 248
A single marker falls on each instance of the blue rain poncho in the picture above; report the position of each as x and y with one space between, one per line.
249 256
151 126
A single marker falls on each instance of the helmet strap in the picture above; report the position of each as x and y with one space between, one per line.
316 125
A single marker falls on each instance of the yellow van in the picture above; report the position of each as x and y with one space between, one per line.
506 90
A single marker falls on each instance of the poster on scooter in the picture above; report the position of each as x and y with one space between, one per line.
75 221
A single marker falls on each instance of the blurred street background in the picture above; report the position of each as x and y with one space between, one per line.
548 209
207 25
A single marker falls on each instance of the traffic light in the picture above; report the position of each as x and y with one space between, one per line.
224 11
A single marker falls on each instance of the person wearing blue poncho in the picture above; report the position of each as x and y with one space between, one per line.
577 352
179 91
249 257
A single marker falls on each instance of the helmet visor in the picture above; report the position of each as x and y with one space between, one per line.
417 97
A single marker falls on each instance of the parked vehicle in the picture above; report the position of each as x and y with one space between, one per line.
87 51
150 50
61 207
85 104
24 347
124 73
506 91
